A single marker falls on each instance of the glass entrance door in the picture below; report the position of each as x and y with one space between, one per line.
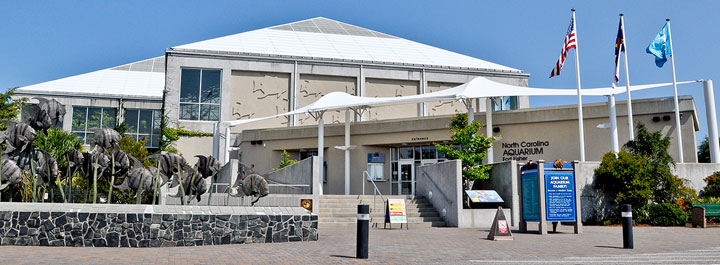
406 182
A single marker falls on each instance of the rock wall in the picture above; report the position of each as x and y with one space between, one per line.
118 229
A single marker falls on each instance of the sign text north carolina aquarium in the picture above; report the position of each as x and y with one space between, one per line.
519 151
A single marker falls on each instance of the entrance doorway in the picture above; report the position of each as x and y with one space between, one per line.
404 161
406 184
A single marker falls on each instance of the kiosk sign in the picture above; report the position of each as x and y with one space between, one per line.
396 212
560 196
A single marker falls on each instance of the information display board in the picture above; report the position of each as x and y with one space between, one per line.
560 196
483 196
530 196
396 213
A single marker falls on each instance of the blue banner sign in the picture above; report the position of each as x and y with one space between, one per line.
559 195
376 158
530 196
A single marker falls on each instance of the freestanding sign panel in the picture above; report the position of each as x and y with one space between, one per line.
530 198
396 212
549 195
560 196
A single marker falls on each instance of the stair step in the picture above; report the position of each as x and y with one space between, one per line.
335 219
379 225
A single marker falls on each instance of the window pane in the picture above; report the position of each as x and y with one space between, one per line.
145 138
94 117
189 111
81 136
189 85
393 154
145 122
209 112
78 120
155 141
109 117
89 138
156 122
406 152
394 171
428 152
418 153
131 120
210 86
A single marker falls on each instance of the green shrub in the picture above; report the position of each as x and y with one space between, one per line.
57 142
474 148
626 178
713 185
707 200
667 214
286 161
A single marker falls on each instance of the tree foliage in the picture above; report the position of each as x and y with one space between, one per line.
704 151
473 149
712 189
625 178
286 161
57 142
10 109
641 173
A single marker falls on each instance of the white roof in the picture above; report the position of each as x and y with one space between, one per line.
479 87
327 39
144 79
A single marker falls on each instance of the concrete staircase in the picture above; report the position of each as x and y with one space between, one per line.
341 211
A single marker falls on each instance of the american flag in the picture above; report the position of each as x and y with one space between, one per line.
570 42
619 48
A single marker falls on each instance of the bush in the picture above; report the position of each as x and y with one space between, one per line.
286 161
667 214
626 178
57 142
713 185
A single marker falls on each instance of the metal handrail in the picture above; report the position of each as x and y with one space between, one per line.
376 192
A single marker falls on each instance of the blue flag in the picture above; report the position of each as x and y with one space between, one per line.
661 46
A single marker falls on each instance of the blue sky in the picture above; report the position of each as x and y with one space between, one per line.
47 40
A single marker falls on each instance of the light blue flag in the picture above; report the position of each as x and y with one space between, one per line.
661 46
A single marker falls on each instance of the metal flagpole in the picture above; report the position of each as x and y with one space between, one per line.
631 126
579 94
677 105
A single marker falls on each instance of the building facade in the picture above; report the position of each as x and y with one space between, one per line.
282 68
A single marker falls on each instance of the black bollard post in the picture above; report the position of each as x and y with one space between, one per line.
363 227
626 214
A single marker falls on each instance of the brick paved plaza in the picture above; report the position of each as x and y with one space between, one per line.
414 246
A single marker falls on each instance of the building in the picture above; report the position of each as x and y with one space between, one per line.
278 69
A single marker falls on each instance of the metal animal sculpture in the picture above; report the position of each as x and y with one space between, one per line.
11 173
106 138
19 137
141 178
169 164
192 182
558 164
75 160
40 121
252 185
122 160
46 167
207 166
54 110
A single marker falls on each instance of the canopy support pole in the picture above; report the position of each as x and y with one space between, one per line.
489 127
471 112
347 153
711 121
613 124
321 144
226 157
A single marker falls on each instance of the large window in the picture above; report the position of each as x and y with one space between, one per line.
86 119
143 125
200 94
505 103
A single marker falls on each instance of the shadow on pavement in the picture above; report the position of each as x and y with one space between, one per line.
342 256
608 247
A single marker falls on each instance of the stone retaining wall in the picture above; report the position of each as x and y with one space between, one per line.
97 228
